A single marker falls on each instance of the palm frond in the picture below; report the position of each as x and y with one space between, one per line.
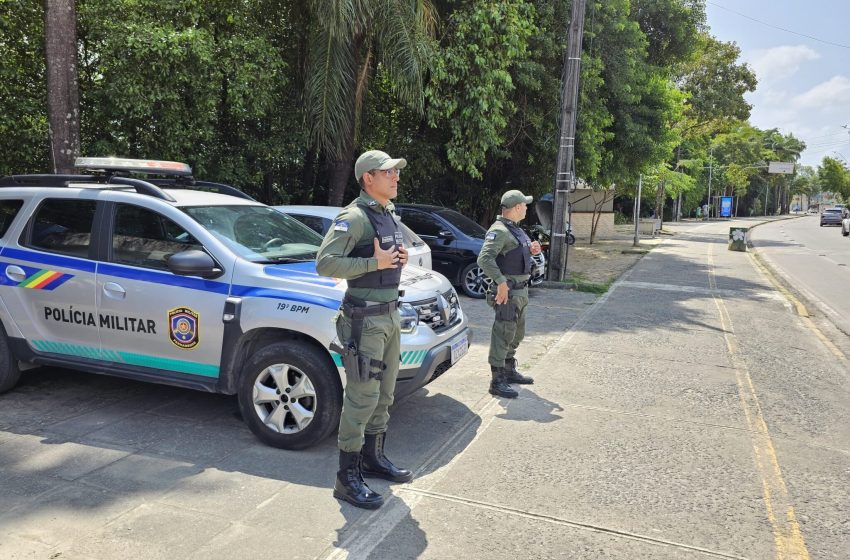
405 40
342 18
330 91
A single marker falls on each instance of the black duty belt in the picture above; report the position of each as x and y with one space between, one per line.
356 308
517 285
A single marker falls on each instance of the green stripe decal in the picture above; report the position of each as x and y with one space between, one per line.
413 357
337 359
34 279
144 360
169 364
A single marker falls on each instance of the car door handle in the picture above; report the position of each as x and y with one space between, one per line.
15 273
113 290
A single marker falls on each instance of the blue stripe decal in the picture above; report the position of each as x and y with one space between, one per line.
166 278
251 291
52 260
6 281
57 282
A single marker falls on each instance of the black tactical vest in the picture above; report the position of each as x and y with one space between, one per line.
389 234
516 261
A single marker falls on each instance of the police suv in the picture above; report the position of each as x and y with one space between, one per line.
194 284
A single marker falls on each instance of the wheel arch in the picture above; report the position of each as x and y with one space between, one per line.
251 341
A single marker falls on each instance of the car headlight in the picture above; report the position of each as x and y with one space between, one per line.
409 317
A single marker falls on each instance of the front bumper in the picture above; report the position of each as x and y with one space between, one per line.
436 362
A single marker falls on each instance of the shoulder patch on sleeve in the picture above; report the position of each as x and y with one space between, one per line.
341 225
490 235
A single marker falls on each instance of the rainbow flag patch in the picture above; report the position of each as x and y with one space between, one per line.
44 279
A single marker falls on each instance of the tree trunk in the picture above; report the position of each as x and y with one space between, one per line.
339 172
63 98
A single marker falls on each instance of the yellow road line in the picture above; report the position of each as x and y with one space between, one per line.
780 512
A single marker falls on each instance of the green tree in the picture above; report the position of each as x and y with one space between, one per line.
204 83
349 42
471 88
833 177
23 88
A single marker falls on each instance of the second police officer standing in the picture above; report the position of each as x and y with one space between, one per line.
505 257
364 246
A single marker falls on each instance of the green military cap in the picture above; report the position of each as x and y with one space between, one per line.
376 159
512 198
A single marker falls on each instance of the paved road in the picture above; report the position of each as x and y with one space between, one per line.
814 259
687 413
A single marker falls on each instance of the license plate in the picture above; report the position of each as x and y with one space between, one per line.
459 349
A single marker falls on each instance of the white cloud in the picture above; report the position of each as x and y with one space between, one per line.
832 93
778 63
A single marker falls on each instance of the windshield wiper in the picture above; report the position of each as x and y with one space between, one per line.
284 260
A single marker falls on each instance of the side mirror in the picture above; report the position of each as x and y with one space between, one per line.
445 234
193 263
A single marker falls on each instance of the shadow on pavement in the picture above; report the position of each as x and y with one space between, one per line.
126 437
531 407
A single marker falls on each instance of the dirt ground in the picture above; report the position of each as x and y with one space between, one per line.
605 260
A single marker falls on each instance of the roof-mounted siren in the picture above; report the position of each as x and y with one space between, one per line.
153 167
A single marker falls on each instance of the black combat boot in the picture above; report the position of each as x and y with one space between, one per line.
513 375
349 485
376 465
498 386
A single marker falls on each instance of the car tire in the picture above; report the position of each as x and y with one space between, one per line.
275 373
473 281
9 371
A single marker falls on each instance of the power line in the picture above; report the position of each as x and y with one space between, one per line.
780 28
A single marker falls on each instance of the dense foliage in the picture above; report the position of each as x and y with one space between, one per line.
278 96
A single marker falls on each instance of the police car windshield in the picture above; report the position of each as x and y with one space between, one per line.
258 233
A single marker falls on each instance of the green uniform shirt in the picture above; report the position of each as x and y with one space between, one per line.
351 229
498 241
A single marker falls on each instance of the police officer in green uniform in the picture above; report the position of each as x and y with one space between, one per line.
505 257
364 246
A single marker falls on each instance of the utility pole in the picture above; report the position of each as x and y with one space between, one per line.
637 210
710 162
564 165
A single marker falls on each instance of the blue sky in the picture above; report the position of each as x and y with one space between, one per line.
804 82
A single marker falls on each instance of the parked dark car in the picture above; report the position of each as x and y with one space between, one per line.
455 242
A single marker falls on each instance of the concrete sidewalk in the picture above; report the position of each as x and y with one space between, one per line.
687 413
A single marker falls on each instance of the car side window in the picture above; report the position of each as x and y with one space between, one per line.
317 224
422 223
8 210
63 225
142 237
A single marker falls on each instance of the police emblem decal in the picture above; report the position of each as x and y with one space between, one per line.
184 326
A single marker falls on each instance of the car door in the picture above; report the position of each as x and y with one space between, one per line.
48 279
429 228
150 317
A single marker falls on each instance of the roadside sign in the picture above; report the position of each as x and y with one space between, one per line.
780 167
725 206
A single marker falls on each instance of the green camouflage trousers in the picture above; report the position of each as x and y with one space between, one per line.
365 405
506 335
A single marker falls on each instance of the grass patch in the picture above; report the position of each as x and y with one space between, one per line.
583 285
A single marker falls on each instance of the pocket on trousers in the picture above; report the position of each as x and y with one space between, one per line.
506 311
